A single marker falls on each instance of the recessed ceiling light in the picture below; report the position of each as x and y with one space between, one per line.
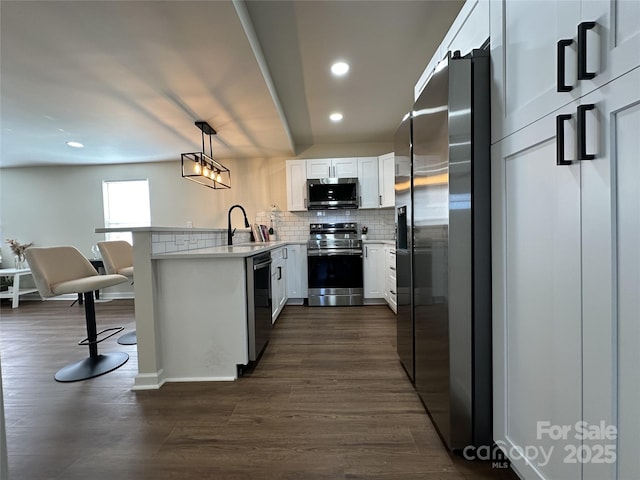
340 68
75 144
335 117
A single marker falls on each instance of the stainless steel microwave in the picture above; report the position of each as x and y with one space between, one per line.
332 193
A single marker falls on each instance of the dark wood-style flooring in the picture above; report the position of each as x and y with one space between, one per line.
328 400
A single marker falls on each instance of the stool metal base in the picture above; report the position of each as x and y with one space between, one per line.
128 339
91 367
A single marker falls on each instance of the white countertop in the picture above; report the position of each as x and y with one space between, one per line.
162 229
223 251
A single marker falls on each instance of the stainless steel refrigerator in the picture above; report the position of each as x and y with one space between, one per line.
443 250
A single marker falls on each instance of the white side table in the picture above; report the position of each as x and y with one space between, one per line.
16 273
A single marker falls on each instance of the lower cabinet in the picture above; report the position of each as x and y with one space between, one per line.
379 271
373 270
278 282
390 277
296 257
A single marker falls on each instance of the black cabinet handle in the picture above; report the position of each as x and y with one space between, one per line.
582 134
560 70
279 273
582 51
560 119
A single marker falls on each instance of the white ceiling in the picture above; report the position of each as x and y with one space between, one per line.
128 79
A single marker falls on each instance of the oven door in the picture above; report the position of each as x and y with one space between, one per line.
335 277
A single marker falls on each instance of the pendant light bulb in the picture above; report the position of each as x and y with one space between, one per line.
198 169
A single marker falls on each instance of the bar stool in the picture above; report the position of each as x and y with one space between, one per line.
60 270
117 257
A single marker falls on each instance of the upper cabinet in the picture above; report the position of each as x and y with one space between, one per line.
368 182
332 168
296 185
540 65
386 180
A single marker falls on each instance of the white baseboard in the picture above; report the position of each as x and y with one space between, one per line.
149 381
201 379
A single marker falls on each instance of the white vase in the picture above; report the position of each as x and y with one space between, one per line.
364 236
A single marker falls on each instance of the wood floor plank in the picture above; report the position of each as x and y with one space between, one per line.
328 400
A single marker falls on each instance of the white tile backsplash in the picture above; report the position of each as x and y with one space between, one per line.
294 226
289 227
182 240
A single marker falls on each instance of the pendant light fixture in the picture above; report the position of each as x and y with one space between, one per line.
202 168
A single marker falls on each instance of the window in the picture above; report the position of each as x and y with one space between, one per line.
126 204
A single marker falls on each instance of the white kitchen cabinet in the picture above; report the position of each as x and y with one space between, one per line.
373 270
566 282
332 168
525 54
296 185
368 182
319 168
296 272
538 285
613 44
386 180
611 272
390 277
278 282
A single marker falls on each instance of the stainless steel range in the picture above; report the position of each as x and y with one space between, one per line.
334 258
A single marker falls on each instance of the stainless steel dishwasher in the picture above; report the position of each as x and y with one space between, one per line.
258 303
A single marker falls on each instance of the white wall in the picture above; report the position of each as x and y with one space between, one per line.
63 204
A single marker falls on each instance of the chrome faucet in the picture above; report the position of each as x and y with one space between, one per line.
231 232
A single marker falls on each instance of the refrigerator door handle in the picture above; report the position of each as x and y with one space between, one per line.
582 134
560 70
583 74
560 119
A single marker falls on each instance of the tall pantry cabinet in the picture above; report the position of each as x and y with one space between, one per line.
566 231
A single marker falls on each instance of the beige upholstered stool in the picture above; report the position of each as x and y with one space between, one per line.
60 270
117 257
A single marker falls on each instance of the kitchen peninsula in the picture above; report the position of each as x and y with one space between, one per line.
190 303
